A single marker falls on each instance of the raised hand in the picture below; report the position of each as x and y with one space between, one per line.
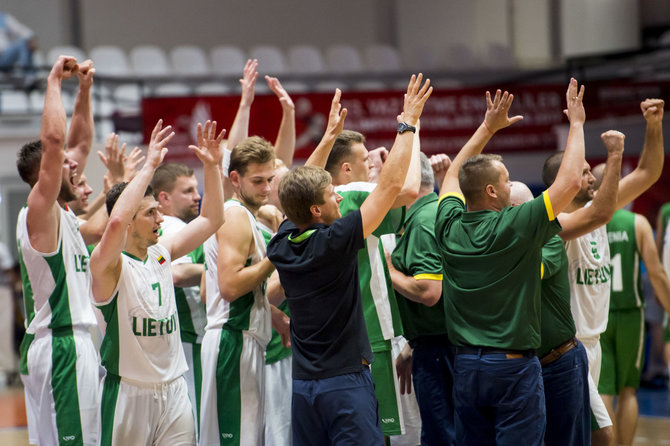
377 156
336 116
248 82
85 74
132 163
440 164
613 141
113 158
496 117
208 149
652 110
65 67
284 98
157 144
574 96
415 98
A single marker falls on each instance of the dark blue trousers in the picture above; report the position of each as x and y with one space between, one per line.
566 394
341 410
433 386
498 401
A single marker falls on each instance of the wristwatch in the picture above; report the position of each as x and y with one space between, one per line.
404 127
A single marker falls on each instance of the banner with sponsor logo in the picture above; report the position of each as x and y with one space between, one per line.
449 118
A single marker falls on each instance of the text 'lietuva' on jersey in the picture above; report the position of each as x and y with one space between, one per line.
142 340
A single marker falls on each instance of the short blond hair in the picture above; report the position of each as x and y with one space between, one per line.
301 188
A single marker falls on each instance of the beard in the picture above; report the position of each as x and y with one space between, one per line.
66 193
250 202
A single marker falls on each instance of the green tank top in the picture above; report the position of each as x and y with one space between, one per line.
626 287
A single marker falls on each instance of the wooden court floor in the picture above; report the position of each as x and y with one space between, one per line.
651 430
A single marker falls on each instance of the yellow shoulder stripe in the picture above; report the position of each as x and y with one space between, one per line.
547 204
453 194
428 277
541 270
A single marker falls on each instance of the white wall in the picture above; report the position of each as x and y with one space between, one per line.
598 26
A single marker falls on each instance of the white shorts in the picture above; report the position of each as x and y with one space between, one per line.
594 355
233 389
278 397
135 413
61 388
410 408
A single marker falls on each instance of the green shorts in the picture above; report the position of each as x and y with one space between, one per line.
623 347
666 329
388 395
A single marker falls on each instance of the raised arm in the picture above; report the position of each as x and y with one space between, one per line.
80 136
210 219
647 248
106 257
240 128
285 143
334 127
412 183
495 119
650 166
43 212
587 218
568 178
380 200
96 217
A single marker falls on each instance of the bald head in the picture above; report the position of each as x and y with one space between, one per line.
519 193
598 172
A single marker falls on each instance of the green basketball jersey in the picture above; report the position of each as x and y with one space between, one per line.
380 307
415 255
626 291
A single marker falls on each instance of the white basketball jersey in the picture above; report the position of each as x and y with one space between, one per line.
251 312
142 340
590 276
56 285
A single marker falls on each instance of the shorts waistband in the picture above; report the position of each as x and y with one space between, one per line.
482 351
146 385
62 331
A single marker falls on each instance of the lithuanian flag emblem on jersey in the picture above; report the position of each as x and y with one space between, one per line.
161 259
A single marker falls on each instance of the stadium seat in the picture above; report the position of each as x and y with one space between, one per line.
189 60
227 60
149 60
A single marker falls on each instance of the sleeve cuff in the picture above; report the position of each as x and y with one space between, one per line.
428 277
453 194
547 205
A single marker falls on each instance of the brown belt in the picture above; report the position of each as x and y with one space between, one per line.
559 351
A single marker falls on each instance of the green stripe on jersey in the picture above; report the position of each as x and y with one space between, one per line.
28 339
28 299
228 393
186 326
64 386
352 199
110 392
109 350
59 300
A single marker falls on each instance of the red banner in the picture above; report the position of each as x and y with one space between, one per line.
448 120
